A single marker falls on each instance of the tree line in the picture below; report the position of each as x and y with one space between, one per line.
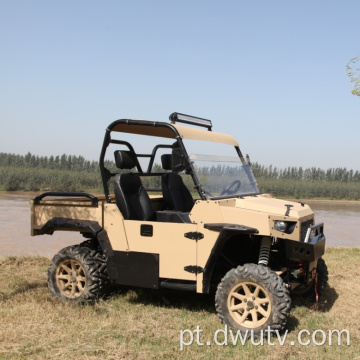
75 173
307 174
63 162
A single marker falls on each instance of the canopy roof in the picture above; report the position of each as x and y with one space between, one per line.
172 131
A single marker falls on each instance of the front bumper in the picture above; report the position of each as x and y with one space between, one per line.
311 249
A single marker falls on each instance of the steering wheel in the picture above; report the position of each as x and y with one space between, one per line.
208 193
232 188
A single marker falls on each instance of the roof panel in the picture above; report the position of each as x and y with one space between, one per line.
187 132
167 130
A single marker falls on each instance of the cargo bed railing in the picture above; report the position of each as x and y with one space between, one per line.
94 199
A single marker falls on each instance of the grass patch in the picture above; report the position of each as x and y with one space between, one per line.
146 324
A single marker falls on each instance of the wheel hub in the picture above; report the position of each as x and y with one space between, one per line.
71 278
249 305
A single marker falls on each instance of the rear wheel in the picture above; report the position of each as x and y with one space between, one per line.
78 274
252 298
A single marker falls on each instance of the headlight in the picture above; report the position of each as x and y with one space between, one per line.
280 226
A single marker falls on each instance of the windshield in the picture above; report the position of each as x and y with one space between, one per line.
221 172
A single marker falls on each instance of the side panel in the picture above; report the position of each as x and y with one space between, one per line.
254 219
205 212
204 248
114 226
135 269
169 241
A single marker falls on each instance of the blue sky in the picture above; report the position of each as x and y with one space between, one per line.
271 73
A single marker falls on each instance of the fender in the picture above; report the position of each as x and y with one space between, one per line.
225 232
83 226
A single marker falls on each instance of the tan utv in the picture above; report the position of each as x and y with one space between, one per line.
182 210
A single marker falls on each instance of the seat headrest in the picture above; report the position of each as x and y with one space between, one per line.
125 159
166 161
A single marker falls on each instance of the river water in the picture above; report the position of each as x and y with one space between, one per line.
15 236
341 226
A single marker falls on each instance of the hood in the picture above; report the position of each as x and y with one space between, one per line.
270 206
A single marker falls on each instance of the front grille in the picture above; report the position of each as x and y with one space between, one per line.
304 227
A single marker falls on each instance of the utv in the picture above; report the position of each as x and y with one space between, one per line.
182 210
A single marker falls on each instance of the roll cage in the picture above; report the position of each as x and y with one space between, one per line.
162 130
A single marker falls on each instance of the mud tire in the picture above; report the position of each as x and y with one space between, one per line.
78 274
252 298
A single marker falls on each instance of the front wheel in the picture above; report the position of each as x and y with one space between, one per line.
253 298
77 274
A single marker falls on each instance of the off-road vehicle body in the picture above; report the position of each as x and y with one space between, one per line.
196 222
